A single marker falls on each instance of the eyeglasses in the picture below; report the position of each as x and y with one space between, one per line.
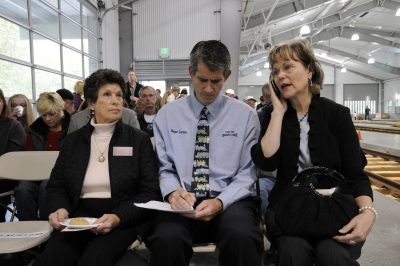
287 69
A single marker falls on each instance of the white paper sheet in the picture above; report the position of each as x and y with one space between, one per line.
161 206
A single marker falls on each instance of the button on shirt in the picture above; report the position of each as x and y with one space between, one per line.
234 129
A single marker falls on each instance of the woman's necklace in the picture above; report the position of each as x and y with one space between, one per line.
303 117
101 158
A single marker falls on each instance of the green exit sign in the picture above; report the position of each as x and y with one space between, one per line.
164 53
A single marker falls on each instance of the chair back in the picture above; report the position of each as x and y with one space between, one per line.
27 165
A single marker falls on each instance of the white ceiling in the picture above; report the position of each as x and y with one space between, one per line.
332 24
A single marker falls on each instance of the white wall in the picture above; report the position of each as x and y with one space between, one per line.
174 24
392 89
110 44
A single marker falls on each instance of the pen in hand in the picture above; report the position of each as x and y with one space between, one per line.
187 196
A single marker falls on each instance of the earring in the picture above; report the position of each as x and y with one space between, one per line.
310 82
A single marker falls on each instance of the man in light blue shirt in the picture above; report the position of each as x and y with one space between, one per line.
228 215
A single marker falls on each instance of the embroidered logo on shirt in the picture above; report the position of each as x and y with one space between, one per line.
178 131
228 133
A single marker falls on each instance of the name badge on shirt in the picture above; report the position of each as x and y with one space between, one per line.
122 151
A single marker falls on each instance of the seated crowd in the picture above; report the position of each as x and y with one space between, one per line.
210 150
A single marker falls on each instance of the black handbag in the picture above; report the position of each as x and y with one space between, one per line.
315 205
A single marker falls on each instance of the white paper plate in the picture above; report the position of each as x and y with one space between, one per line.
88 219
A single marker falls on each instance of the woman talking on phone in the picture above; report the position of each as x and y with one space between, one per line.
302 130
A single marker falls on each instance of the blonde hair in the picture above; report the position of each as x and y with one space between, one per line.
300 50
50 102
78 88
165 97
29 116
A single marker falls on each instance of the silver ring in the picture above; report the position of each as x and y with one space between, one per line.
352 242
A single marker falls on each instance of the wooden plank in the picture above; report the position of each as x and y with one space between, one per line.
382 168
386 163
387 173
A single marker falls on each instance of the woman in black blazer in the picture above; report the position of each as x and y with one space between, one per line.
102 169
300 130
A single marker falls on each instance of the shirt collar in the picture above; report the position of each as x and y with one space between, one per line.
213 108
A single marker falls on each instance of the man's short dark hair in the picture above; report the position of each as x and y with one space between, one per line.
65 94
98 79
214 54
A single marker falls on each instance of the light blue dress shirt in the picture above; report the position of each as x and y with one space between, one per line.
234 129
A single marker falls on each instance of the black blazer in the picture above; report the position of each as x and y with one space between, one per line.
332 141
128 94
132 178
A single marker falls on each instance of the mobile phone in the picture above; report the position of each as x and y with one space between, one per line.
274 87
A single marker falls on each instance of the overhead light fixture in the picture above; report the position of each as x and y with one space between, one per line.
398 12
266 65
355 37
258 74
343 70
371 60
305 29
301 19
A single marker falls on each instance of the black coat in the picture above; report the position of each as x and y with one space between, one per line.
132 178
12 135
39 132
332 143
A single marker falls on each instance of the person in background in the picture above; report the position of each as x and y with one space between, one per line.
12 138
147 96
132 89
218 181
45 134
266 97
250 101
165 97
230 93
103 168
78 92
183 93
175 90
261 103
266 179
300 130
20 109
68 99
159 98
367 111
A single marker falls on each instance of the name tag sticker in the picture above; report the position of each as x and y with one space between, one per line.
122 151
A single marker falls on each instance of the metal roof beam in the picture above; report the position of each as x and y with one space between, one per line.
383 67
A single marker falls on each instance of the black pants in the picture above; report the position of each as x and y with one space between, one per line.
235 232
84 247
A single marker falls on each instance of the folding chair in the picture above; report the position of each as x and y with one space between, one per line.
25 166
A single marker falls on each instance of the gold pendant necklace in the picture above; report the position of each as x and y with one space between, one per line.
101 158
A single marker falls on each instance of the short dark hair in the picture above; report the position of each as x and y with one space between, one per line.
98 79
65 94
214 54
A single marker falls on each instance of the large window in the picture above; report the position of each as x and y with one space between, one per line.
46 45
